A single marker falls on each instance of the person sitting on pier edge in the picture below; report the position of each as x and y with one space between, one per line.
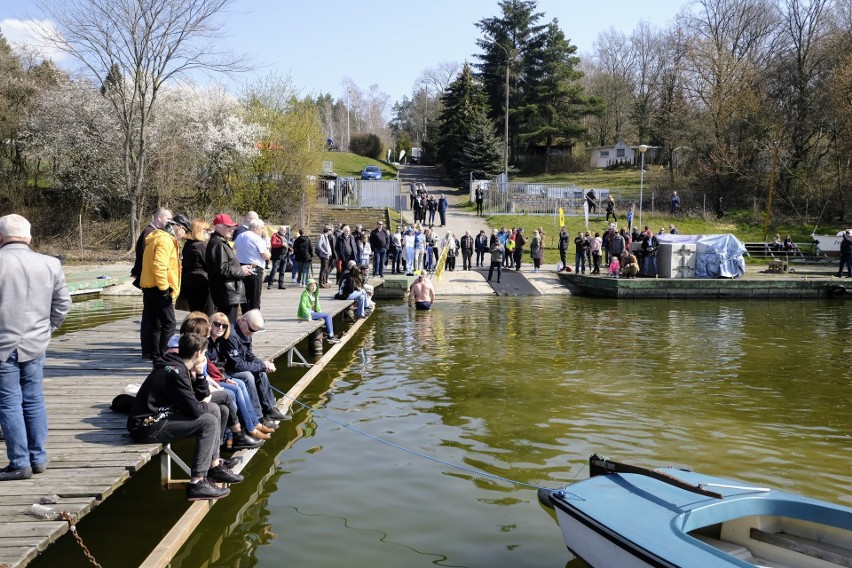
204 384
165 409
309 308
352 288
248 403
224 273
241 363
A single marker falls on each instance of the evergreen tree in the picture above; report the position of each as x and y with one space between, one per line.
466 140
554 105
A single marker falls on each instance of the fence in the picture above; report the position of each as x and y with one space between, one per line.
351 192
534 198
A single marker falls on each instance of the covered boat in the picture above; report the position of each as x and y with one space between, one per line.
627 516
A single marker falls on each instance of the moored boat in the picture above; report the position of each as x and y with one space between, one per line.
628 516
829 245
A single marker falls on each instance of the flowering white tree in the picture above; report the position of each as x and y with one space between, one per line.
72 128
135 47
208 125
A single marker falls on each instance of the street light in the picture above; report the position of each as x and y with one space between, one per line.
348 105
506 123
642 149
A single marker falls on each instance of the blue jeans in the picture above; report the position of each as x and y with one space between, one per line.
23 415
379 262
278 265
361 297
329 325
245 410
302 270
579 261
650 266
258 389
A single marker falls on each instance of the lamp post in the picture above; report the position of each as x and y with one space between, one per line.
426 113
348 105
642 149
506 121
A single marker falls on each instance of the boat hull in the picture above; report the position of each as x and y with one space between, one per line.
829 245
632 520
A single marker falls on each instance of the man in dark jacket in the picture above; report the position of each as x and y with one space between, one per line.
166 409
303 255
241 363
845 254
379 241
223 270
466 243
346 249
564 243
443 205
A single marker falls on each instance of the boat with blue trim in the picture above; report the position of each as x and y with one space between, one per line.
628 516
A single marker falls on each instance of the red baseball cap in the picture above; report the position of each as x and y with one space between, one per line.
224 219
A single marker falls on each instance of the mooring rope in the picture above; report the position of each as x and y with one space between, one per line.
476 472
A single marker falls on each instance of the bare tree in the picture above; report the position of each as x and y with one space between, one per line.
440 76
133 47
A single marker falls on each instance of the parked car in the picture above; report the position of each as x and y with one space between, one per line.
371 172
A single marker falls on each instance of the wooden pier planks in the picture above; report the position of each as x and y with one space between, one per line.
88 446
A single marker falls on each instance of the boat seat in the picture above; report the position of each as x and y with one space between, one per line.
740 552
822 550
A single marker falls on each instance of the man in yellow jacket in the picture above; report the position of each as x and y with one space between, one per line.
160 282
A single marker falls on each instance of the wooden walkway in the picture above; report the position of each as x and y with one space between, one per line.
90 454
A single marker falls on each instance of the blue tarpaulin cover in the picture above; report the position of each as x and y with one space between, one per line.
717 256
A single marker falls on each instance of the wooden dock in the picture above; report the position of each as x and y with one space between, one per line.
89 451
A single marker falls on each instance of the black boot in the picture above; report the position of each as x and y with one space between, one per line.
243 441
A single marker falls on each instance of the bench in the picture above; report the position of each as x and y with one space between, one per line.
822 550
765 250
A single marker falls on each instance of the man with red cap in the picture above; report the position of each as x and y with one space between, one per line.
224 273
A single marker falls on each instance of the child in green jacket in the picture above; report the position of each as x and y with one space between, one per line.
309 309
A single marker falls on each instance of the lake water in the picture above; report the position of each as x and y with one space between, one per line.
524 389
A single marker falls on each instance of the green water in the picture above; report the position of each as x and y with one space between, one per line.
526 389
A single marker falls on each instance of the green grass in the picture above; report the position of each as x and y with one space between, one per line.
616 180
345 164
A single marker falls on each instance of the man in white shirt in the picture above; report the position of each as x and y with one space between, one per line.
252 251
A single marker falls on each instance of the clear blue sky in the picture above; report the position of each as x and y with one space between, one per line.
318 43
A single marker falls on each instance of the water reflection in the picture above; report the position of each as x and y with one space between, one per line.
527 389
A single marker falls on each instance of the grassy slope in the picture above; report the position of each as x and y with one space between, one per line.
346 164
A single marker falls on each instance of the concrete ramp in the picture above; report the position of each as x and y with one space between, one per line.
512 283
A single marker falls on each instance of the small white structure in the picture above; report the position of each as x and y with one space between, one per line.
605 156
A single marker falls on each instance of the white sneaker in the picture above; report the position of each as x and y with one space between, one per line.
333 340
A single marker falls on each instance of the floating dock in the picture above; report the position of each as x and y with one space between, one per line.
773 287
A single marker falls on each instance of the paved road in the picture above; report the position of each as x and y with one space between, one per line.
458 220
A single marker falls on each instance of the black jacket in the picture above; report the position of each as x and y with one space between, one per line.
303 251
224 273
346 248
194 263
169 386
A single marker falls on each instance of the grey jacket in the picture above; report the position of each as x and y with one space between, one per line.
34 301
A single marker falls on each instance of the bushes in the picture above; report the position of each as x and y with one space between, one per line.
367 145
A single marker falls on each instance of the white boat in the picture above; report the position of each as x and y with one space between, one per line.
626 516
829 245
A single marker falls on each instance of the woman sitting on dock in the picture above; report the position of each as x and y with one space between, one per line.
217 339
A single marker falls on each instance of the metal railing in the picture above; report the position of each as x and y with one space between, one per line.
535 198
351 192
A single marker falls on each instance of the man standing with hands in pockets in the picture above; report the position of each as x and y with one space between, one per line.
34 301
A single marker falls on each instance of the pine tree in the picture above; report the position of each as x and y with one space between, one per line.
466 140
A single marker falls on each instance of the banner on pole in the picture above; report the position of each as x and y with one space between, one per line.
442 260
561 217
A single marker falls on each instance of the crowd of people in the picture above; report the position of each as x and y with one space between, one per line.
623 252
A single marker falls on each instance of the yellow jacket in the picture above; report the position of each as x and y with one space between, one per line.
161 266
